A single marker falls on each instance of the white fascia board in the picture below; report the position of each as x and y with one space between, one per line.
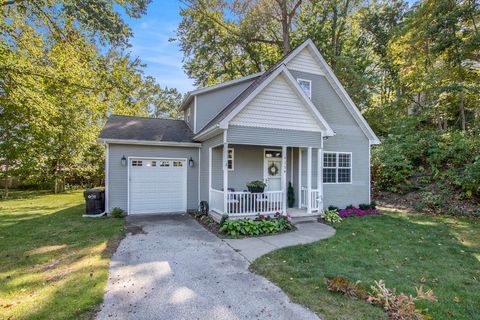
151 143
190 94
331 77
283 69
210 132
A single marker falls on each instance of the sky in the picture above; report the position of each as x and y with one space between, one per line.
150 43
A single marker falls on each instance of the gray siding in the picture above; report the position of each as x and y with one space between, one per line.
118 175
192 114
211 103
204 165
276 137
349 138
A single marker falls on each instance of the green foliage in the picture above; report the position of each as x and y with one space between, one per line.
345 286
117 212
430 201
256 184
373 204
364 206
249 227
223 219
450 158
350 206
332 216
333 208
290 195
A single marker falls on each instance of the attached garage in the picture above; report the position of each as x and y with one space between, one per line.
152 165
157 185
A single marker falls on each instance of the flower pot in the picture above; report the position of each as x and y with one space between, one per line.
256 189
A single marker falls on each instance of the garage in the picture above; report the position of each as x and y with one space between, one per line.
157 185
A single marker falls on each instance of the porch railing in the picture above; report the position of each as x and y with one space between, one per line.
247 203
252 203
216 201
316 198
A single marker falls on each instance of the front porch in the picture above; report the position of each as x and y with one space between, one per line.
233 166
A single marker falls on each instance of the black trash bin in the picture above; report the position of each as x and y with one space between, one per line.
94 201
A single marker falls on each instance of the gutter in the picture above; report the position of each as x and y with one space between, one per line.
151 143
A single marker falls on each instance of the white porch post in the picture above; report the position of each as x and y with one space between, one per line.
299 178
309 180
225 177
320 177
209 176
284 179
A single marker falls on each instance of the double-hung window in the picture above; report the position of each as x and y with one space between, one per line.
337 167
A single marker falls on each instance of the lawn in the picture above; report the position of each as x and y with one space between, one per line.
53 262
398 247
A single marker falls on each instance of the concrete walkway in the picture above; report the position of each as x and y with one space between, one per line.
170 267
252 248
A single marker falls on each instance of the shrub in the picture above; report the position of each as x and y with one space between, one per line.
249 227
117 212
333 208
363 206
331 216
345 286
223 219
430 201
350 206
373 204
398 306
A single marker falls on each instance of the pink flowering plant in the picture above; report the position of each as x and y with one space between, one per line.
363 210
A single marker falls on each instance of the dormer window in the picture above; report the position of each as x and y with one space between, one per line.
306 86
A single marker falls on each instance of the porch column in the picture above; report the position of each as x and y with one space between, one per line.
225 177
284 179
299 178
320 177
209 176
309 180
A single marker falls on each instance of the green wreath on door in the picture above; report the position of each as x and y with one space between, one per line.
273 169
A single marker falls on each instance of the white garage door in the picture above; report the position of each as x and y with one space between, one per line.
158 185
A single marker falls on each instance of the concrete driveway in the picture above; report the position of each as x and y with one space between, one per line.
172 268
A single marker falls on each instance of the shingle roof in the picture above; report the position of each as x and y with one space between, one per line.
146 129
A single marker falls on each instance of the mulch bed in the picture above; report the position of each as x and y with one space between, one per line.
207 222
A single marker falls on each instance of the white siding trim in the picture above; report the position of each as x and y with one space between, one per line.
195 114
199 174
369 173
309 180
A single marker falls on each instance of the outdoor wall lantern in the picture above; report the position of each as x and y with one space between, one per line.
124 161
190 162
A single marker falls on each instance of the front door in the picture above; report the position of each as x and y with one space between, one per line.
272 169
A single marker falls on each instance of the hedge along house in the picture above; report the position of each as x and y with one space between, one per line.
293 123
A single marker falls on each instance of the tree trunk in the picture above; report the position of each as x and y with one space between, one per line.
462 110
285 26
5 190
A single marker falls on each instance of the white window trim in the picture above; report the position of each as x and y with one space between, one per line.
309 94
188 115
337 167
233 159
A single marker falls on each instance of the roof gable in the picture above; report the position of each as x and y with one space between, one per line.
296 90
278 105
305 61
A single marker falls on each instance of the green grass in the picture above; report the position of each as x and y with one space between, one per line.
398 247
53 262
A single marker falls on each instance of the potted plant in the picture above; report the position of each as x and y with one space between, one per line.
256 186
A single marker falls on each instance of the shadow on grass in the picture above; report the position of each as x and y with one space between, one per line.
402 249
55 264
